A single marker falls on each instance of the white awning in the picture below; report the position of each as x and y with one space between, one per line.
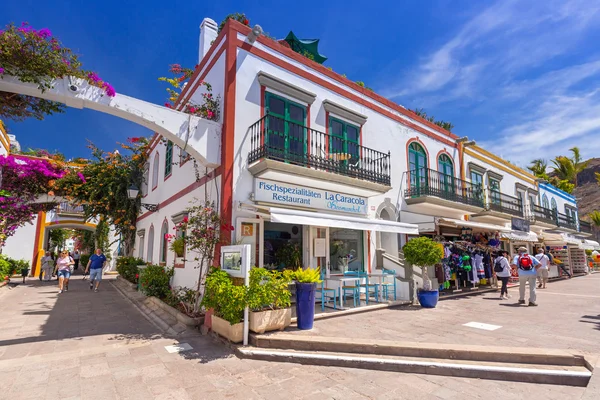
471 224
289 216
561 238
519 236
590 245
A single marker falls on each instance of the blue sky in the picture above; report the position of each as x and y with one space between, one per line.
520 77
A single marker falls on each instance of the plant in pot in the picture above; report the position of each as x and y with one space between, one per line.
424 252
306 285
178 247
289 255
269 300
228 302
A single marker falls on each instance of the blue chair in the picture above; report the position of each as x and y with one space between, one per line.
371 289
327 294
385 286
354 290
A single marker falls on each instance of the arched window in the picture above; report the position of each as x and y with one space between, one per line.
155 167
141 249
164 243
150 243
146 179
545 203
417 166
445 165
554 206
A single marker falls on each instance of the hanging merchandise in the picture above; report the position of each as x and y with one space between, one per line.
466 234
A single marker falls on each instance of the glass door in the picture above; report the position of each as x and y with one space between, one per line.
286 132
417 169
446 170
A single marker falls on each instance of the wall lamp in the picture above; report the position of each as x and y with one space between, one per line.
255 33
132 194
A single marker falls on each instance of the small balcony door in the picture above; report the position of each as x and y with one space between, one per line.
286 132
344 141
417 168
446 169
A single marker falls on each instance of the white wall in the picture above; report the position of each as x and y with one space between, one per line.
561 198
21 244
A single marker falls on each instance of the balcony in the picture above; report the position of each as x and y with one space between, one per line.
542 216
499 208
290 148
566 222
438 190
585 228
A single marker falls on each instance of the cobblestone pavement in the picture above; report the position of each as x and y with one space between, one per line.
85 345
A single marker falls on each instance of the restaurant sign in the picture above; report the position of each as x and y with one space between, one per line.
520 224
293 195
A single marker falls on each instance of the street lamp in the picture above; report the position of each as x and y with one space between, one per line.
132 194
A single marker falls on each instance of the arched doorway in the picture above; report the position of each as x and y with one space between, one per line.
388 240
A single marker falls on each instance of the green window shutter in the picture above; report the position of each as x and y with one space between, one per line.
169 159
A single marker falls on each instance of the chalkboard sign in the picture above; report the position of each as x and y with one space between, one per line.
520 224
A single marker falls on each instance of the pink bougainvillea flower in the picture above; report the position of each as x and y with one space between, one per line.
192 110
1 70
185 220
110 91
209 114
44 33
133 139
80 175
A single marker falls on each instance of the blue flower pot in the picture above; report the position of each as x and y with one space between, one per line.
428 298
305 305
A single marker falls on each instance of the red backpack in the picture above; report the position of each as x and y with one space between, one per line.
525 262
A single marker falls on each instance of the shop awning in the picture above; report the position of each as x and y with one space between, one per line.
590 245
561 238
472 224
519 236
289 216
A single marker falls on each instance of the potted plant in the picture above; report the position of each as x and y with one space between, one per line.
290 255
306 285
424 252
228 302
269 300
178 247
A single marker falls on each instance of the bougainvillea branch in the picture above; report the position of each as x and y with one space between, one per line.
37 57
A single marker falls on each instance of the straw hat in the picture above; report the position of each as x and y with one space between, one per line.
524 249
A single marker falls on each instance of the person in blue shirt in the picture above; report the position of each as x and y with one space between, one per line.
527 266
95 266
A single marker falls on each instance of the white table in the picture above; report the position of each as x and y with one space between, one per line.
341 279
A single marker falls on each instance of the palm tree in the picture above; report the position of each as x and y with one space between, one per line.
595 218
538 168
567 169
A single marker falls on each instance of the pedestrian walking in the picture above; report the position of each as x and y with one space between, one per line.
526 266
95 266
47 267
76 257
542 271
502 270
63 271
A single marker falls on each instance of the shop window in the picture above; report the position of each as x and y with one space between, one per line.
169 159
495 196
344 139
286 131
346 250
155 168
417 166
164 242
282 246
149 258
545 203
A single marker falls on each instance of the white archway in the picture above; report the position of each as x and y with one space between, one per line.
199 137
385 240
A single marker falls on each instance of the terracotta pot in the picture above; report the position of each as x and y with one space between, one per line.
233 333
270 320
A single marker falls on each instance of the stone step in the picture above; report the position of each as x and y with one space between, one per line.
417 349
517 372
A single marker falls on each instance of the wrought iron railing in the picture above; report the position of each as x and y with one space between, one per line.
542 214
66 208
566 221
500 202
278 139
427 182
585 227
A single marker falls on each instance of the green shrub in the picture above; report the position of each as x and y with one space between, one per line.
269 289
224 297
423 252
10 266
154 281
127 267
5 268
83 260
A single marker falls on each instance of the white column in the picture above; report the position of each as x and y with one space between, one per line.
208 33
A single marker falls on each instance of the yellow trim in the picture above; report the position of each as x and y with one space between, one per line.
40 243
502 165
71 221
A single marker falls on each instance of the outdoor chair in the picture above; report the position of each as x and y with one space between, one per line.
327 294
354 290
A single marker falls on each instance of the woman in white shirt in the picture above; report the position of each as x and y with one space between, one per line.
502 270
47 266
542 271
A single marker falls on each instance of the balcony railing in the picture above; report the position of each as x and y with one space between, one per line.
504 203
542 214
427 182
66 208
585 227
566 221
278 139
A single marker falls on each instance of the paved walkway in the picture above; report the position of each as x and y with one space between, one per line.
85 345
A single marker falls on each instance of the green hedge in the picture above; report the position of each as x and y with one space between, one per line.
155 281
10 266
127 267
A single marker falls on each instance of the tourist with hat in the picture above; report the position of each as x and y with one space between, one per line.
527 266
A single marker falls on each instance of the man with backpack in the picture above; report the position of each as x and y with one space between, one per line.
527 268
